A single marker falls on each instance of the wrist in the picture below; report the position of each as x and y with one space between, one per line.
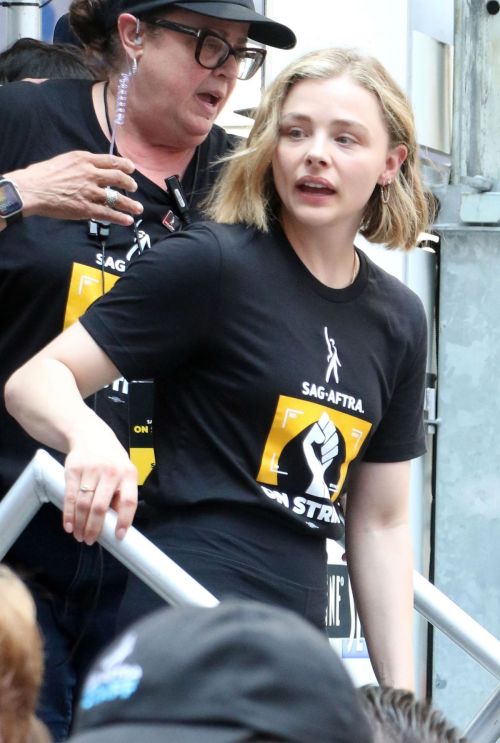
11 202
84 427
21 179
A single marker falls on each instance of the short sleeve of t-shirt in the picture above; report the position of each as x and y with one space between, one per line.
161 311
400 434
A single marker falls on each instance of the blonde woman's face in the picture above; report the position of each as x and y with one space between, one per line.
333 149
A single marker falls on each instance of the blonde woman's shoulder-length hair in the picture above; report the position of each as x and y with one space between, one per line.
245 191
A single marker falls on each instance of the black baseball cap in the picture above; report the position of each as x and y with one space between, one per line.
262 29
220 675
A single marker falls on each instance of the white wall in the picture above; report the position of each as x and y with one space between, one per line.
380 28
410 37
434 18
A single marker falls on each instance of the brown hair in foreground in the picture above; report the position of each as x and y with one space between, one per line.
21 663
396 716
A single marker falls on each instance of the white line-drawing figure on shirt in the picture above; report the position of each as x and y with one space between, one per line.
324 434
142 242
332 358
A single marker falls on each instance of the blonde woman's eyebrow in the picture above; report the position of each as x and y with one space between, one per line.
350 124
293 116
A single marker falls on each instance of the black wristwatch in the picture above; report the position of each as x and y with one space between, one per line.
11 203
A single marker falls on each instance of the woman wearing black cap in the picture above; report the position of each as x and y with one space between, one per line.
289 369
172 69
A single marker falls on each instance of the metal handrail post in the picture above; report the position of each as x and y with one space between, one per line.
45 476
19 506
485 727
444 614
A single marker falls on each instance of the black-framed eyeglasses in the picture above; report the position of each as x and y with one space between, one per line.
212 50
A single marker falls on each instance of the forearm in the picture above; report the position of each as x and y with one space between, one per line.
381 572
44 398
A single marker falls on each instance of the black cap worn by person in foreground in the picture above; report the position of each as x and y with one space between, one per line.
240 671
261 29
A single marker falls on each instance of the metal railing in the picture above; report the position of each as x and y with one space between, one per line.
43 481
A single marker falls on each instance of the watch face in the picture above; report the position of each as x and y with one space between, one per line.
10 201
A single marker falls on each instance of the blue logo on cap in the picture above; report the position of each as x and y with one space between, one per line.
113 678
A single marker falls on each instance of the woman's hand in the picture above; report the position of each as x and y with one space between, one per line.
73 186
99 475
46 396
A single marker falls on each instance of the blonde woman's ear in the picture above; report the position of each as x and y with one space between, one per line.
394 161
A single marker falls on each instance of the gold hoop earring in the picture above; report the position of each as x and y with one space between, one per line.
385 192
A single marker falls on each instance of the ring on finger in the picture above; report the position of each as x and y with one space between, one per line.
85 489
111 197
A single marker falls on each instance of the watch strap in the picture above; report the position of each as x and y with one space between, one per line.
17 217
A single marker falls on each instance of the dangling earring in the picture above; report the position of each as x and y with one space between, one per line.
384 192
133 67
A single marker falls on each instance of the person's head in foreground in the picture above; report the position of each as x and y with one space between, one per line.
32 59
21 662
340 113
241 671
397 717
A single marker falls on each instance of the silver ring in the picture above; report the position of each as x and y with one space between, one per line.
111 197
84 489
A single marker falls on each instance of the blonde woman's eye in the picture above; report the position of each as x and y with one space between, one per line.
295 133
345 139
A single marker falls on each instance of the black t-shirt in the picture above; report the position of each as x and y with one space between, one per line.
269 385
52 270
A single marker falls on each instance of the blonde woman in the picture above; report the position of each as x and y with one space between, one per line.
289 368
